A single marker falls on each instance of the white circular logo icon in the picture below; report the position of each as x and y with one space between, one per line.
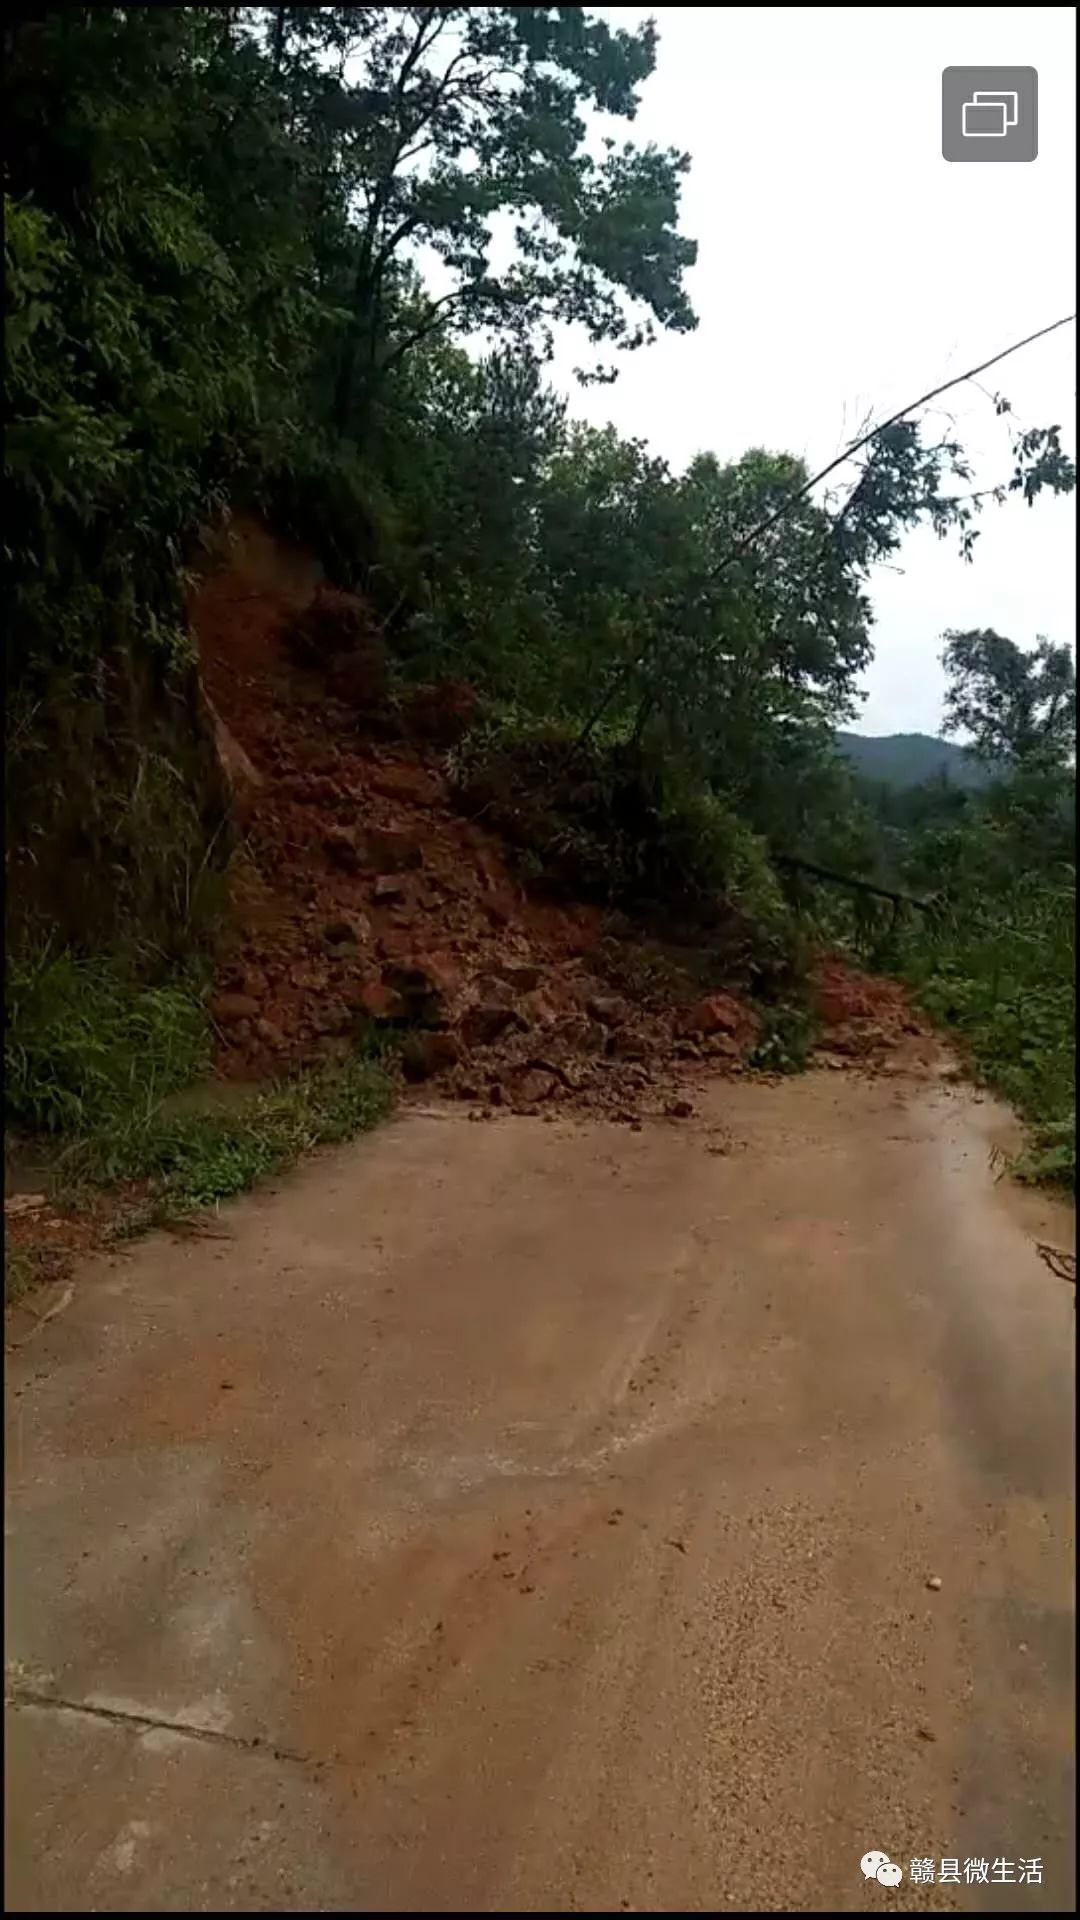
870 1863
877 1866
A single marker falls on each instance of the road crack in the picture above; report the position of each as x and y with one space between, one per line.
150 1722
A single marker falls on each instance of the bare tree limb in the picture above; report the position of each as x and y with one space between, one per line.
856 446
433 18
621 675
436 316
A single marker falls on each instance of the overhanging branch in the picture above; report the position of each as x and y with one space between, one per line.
764 526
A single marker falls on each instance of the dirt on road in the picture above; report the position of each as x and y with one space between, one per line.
527 1517
374 891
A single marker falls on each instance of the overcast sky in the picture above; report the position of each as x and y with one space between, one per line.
845 266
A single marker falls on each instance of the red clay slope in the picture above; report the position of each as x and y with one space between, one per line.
361 894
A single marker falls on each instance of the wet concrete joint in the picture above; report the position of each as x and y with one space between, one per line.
155 1723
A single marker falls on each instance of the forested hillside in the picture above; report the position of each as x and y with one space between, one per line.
305 265
911 759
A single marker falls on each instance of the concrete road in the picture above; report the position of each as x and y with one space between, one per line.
522 1516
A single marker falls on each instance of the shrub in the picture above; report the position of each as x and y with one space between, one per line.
1005 982
88 1046
92 1056
609 821
196 1160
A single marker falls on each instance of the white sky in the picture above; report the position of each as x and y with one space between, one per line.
845 266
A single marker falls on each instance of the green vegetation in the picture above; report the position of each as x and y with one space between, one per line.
997 962
94 1060
250 256
89 1047
910 760
1008 990
191 1161
613 821
165 1166
788 1032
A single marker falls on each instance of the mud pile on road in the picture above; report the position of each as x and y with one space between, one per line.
363 900
866 1018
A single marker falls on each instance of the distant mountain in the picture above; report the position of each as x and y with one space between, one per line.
910 759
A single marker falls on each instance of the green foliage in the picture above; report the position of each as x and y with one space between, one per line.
196 1160
88 1047
706 838
626 596
787 1035
118 817
96 1058
1006 985
709 652
901 761
138 335
28 1267
615 823
1012 703
155 292
442 121
1050 1155
997 963
327 494
218 226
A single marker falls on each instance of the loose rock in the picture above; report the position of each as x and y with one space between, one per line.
380 1002
520 979
389 850
25 1203
627 1043
533 1085
228 1008
717 1013
345 933
607 1008
411 783
427 1054
341 849
423 999
482 1025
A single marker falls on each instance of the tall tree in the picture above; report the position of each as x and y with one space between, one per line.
460 134
1011 703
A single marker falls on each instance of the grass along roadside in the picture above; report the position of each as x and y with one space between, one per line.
193 1161
1006 991
94 1063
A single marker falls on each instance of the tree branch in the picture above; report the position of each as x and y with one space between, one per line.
400 233
433 322
419 46
439 94
376 206
894 419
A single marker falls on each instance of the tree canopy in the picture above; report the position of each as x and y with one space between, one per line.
1012 703
461 135
311 261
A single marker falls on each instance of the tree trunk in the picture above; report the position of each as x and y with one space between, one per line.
644 715
350 347
615 684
